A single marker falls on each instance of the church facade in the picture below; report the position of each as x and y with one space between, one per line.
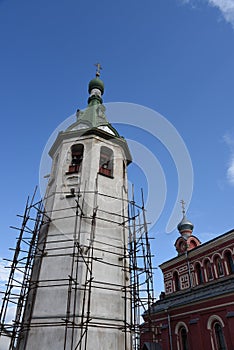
196 310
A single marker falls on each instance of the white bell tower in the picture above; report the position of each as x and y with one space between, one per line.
79 290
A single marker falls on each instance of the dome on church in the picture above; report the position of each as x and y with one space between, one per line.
96 83
185 225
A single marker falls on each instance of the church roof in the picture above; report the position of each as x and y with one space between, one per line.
93 120
94 116
199 293
211 243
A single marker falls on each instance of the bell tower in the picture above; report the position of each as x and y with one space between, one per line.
79 289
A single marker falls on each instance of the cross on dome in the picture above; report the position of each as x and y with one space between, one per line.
183 206
98 69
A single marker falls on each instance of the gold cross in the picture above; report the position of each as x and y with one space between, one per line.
98 70
183 206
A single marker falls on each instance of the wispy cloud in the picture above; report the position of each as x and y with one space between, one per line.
229 140
4 272
230 171
11 309
226 8
4 277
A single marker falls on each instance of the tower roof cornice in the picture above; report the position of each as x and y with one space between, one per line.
67 135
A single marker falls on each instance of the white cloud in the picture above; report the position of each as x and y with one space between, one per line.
230 172
11 309
229 140
226 8
4 272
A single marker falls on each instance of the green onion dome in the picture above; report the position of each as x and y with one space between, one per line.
96 83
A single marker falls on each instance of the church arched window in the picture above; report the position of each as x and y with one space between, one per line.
183 339
106 162
199 274
219 336
216 327
219 266
181 332
209 270
176 281
229 262
76 158
192 244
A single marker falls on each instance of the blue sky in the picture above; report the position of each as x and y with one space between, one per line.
173 56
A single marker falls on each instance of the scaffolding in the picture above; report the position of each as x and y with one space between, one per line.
18 285
134 258
141 269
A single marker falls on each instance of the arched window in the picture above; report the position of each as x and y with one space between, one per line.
106 162
76 158
192 244
183 339
219 336
124 170
229 262
215 325
209 271
176 281
182 246
219 266
199 274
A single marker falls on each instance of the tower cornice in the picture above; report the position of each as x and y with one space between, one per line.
79 134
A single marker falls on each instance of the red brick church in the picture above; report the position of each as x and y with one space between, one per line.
196 311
